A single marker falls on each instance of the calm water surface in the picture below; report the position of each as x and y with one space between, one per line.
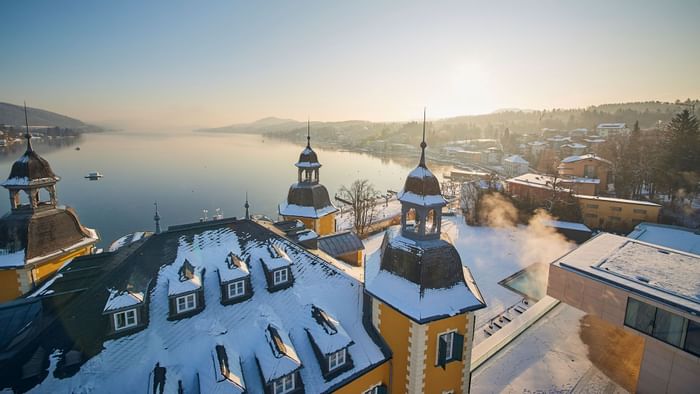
187 172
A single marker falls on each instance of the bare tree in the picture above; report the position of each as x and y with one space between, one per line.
361 196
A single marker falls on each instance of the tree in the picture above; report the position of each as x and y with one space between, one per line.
681 154
361 196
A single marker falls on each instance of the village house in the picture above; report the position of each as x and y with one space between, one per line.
588 166
515 165
616 214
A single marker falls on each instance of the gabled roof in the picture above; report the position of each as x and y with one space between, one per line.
276 258
339 244
276 356
185 279
234 268
516 159
328 334
589 156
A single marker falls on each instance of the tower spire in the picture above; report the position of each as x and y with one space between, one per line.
27 135
423 144
246 205
156 218
308 133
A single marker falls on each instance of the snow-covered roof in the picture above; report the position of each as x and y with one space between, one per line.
185 346
305 212
276 258
572 159
328 334
125 240
420 304
566 225
674 237
10 259
612 126
436 199
618 200
234 268
276 354
666 275
537 143
179 283
535 180
227 371
516 159
122 299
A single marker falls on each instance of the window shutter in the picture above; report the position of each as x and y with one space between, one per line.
442 351
458 347
382 390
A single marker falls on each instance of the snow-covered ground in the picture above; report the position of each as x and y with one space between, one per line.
344 220
549 357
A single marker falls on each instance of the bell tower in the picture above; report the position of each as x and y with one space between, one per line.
308 200
422 298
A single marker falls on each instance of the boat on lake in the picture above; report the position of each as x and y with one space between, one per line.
93 176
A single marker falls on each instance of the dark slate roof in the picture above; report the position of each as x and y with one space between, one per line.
289 225
16 318
340 243
308 158
30 169
309 195
422 182
431 264
41 232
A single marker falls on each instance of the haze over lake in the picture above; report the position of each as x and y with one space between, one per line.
187 172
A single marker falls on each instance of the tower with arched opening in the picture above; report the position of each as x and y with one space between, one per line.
37 236
307 199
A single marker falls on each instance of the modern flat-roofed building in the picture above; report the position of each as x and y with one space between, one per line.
616 214
647 290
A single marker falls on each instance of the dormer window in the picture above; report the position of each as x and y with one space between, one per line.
336 360
125 319
285 384
236 289
186 303
277 269
280 276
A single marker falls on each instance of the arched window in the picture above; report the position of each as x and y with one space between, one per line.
431 222
44 197
412 220
24 199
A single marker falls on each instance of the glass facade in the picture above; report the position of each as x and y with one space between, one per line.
663 325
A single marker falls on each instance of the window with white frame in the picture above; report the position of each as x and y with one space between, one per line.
124 319
280 276
186 303
449 340
236 289
285 384
336 360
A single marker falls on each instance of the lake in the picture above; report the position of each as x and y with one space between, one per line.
187 172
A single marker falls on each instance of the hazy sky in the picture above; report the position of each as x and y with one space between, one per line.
160 64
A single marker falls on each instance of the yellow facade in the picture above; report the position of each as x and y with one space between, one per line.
415 343
355 258
375 377
322 226
11 286
395 328
437 379
612 214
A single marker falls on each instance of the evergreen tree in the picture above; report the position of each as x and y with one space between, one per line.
680 157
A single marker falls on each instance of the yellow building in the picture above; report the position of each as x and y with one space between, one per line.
308 200
616 214
588 167
422 298
36 237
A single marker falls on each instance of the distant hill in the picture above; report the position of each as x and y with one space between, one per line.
265 125
13 115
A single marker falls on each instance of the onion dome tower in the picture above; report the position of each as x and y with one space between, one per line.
420 287
37 236
308 200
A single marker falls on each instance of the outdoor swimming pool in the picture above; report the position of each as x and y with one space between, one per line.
530 282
